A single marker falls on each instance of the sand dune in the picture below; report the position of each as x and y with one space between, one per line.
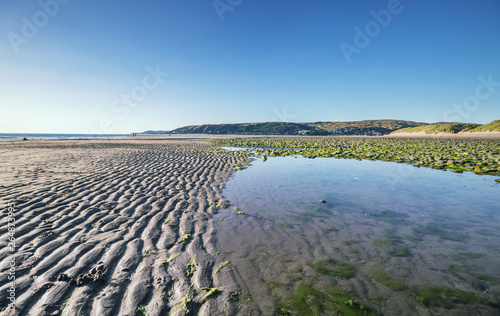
114 227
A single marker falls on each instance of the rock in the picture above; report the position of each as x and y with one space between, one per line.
223 204
62 277
322 201
96 274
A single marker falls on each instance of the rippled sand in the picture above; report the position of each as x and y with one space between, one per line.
96 219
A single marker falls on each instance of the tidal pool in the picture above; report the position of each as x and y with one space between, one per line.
321 236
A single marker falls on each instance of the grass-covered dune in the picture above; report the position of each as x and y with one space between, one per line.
439 128
451 128
490 127
458 155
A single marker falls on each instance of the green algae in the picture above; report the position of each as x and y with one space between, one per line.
350 242
458 155
211 292
384 278
167 261
184 238
190 268
142 310
330 230
392 217
434 230
393 247
307 300
222 265
461 256
444 296
183 304
334 268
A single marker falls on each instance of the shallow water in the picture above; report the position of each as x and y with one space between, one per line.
396 230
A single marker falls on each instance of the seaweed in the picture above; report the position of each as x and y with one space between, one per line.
392 247
387 280
457 155
334 268
330 230
211 292
183 304
167 261
222 265
433 229
444 296
307 300
461 256
350 242
142 310
65 305
392 217
184 238
488 278
190 268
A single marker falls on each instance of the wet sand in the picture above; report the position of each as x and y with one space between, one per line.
114 227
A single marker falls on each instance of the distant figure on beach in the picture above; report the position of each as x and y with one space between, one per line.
25 138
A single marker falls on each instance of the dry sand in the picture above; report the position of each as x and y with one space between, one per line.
95 218
485 135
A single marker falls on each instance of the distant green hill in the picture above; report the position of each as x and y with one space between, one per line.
490 127
358 128
368 127
439 128
269 128
385 124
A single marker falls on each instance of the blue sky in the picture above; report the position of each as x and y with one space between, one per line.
91 66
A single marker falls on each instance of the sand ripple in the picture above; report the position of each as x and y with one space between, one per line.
96 219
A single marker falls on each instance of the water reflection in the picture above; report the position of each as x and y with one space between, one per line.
393 238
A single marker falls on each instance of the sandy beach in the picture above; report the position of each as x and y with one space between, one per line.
114 227
140 227
488 135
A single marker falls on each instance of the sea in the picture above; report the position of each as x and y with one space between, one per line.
37 136
48 136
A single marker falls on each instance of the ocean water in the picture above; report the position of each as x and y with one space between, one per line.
41 136
37 136
397 239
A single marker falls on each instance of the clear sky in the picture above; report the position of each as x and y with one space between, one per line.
112 66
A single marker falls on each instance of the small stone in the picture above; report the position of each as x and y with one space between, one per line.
322 201
62 277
